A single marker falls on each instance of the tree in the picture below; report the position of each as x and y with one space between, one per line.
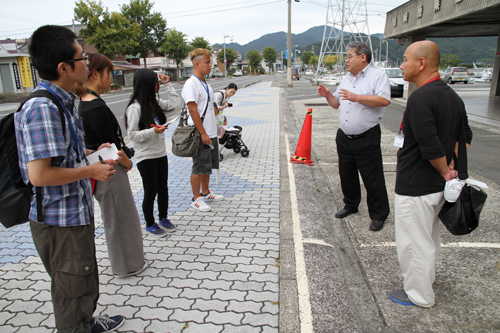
110 33
176 47
306 57
200 43
451 60
270 55
254 58
152 27
231 56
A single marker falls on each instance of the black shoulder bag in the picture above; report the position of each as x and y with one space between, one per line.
462 217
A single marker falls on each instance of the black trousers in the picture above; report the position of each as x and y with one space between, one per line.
154 174
363 153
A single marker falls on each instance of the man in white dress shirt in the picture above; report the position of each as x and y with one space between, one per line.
361 99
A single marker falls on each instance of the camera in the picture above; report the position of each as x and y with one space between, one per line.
159 80
229 105
129 151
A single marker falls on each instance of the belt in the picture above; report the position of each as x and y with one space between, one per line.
355 136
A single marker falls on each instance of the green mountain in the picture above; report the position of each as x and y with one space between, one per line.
469 49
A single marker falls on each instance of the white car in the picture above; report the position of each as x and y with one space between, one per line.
396 81
238 73
309 72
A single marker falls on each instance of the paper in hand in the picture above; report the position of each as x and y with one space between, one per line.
171 121
105 153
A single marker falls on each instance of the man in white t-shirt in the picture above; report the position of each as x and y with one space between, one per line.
199 97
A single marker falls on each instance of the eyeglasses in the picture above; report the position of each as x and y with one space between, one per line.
85 57
349 56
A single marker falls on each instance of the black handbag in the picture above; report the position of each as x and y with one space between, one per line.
186 139
462 217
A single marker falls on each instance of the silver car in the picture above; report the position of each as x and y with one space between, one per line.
456 74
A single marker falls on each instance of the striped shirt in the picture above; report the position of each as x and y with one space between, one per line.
39 135
356 118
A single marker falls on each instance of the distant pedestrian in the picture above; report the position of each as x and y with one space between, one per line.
221 97
122 225
361 98
56 162
199 97
431 127
145 117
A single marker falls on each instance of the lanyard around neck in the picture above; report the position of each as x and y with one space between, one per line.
73 135
205 86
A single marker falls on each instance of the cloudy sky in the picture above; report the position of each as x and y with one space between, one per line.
244 20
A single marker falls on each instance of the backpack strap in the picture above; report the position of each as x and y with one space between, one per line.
29 186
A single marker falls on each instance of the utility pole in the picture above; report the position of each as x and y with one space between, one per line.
225 61
289 46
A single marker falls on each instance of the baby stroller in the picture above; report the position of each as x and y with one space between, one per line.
232 140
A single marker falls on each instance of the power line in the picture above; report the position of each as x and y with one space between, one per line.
224 10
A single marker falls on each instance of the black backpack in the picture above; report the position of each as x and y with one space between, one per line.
15 195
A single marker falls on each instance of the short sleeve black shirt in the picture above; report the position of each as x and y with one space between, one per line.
431 127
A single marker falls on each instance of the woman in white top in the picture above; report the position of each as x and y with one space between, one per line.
221 97
144 118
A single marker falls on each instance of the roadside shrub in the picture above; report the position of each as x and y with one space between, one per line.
116 85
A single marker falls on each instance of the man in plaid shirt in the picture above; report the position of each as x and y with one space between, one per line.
56 161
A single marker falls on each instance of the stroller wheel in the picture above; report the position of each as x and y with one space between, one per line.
236 149
221 157
245 152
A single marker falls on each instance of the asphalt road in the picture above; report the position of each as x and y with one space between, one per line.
484 119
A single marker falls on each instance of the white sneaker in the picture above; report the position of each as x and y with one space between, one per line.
199 204
212 196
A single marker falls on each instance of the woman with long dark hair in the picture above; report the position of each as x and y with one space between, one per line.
144 118
221 97
122 225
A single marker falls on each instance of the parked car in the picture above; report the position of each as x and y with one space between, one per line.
217 73
238 72
309 72
396 81
295 74
456 74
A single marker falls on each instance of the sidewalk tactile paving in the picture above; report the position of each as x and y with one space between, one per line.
216 273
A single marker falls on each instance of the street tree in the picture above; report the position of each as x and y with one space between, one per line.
176 48
254 59
111 33
200 43
306 57
231 56
270 55
152 27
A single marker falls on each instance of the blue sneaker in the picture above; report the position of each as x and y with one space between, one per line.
400 297
166 225
156 231
105 324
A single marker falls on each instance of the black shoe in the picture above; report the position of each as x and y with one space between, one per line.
376 225
343 213
400 297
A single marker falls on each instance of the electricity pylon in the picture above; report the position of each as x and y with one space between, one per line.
346 21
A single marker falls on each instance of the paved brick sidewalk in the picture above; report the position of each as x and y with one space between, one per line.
218 272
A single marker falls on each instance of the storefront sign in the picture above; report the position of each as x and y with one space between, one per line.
24 66
15 69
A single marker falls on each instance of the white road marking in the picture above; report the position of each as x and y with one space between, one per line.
316 241
462 245
300 264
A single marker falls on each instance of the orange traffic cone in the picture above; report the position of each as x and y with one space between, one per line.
303 150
